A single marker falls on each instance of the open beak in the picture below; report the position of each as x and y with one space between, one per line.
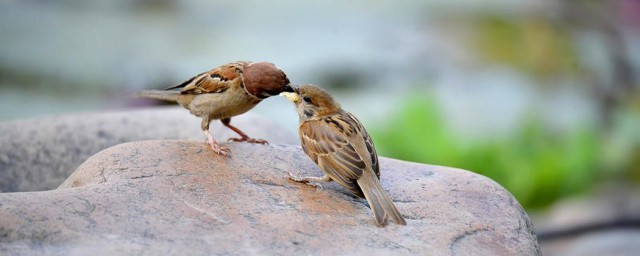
291 94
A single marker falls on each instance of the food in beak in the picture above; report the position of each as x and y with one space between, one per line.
293 97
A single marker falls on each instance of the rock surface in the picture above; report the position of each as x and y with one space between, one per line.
39 154
177 197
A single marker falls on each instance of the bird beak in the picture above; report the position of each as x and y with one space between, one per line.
289 88
291 96
291 93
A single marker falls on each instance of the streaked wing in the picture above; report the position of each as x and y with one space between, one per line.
216 80
375 165
327 142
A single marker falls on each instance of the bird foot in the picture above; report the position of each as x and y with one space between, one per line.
214 145
218 149
305 180
222 151
250 140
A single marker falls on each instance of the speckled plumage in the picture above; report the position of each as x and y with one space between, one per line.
341 147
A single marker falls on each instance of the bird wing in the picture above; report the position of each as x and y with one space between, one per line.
216 80
330 144
371 149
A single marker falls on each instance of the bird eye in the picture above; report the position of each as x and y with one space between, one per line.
307 99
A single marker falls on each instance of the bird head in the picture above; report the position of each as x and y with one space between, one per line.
312 102
264 79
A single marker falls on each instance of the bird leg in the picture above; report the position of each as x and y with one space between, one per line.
243 136
312 181
212 143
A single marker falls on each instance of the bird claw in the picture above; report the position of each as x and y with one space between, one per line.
222 151
296 178
299 178
218 149
250 140
314 184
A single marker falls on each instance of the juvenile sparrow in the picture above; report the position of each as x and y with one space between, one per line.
226 91
338 143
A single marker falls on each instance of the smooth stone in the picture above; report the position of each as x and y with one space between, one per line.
179 198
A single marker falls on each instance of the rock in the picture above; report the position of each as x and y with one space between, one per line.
39 154
177 197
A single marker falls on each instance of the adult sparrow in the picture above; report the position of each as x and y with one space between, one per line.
338 143
226 91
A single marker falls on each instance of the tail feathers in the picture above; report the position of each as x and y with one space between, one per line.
160 95
379 201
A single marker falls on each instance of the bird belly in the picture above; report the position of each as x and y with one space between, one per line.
221 105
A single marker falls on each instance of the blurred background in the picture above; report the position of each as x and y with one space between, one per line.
541 96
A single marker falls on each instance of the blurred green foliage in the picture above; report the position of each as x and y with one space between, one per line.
533 162
535 45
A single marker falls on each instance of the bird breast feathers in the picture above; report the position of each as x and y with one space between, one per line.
339 146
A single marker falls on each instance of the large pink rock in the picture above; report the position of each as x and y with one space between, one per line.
177 197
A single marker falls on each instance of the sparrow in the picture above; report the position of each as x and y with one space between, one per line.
341 147
224 92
